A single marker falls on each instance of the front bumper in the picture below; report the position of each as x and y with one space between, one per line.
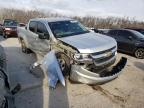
11 32
79 74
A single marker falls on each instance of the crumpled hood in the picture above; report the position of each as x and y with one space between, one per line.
90 42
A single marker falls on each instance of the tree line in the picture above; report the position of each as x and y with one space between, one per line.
89 21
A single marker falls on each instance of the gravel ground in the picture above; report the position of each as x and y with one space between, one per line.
127 91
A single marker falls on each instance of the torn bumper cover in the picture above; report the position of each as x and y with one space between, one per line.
51 66
80 74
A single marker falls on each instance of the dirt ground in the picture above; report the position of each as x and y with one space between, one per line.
127 91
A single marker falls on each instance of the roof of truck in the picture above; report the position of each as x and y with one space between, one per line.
52 19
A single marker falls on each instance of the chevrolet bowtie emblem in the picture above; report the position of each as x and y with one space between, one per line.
108 54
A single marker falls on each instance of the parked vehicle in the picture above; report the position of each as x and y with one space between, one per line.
129 41
22 25
82 54
9 28
101 31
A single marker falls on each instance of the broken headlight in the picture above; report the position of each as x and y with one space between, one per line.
81 56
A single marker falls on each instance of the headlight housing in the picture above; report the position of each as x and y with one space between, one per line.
81 56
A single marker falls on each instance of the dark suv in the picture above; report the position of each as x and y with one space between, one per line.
129 41
9 28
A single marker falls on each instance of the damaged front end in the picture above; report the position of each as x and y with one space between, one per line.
96 68
81 73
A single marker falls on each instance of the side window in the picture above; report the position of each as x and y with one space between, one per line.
124 34
32 26
112 33
41 28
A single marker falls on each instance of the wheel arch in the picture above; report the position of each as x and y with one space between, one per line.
138 48
25 41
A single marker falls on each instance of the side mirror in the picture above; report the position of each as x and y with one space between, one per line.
43 36
130 38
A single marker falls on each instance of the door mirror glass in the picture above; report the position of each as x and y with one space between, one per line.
43 36
130 38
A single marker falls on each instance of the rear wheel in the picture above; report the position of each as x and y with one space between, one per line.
139 53
64 63
24 48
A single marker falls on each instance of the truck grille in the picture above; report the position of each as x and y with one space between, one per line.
102 52
103 56
103 59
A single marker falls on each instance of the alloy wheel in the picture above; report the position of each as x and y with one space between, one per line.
139 53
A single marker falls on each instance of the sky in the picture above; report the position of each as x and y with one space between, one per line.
100 8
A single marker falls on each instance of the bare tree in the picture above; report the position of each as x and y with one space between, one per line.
89 21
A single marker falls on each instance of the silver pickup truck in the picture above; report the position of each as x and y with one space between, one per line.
83 55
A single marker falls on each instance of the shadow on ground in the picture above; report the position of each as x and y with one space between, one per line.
1 38
139 65
58 98
131 55
35 93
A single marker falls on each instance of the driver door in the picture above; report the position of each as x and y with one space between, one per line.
125 43
38 45
43 44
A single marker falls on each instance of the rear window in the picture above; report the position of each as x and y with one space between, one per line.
124 33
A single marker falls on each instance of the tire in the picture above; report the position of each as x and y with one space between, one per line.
139 53
24 48
64 63
4 35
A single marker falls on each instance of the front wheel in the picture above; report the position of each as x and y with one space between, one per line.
24 48
64 63
139 53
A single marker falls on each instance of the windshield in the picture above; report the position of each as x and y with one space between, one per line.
141 31
10 23
67 28
138 34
